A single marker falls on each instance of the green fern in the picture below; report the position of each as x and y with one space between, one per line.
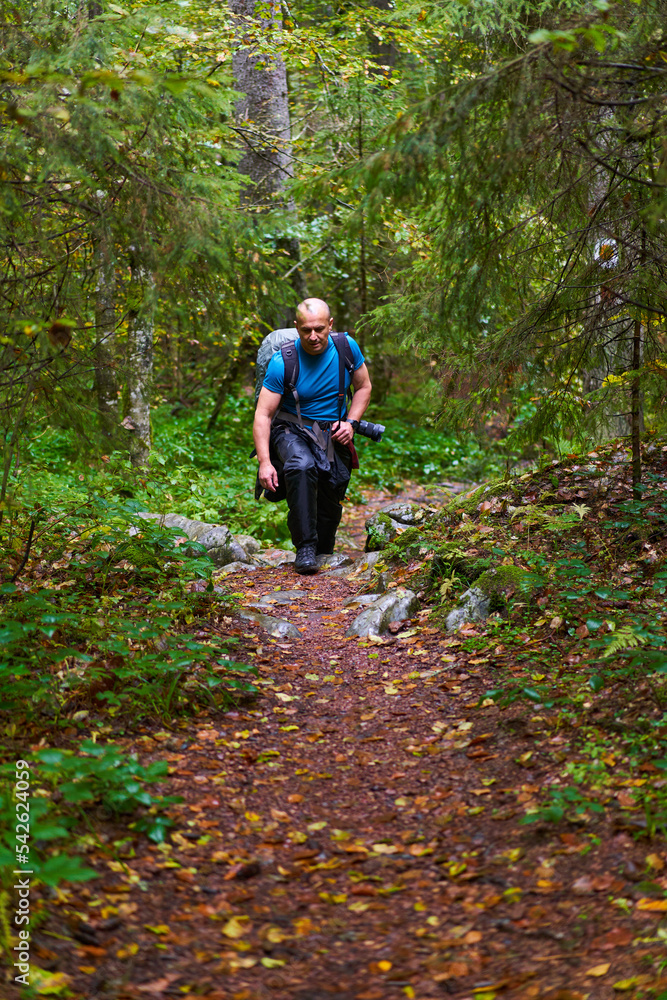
448 584
624 638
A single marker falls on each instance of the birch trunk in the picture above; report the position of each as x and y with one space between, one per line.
141 322
105 336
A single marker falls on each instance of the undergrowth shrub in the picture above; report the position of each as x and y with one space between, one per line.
106 625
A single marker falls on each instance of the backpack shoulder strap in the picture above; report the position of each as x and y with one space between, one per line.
291 361
342 339
345 363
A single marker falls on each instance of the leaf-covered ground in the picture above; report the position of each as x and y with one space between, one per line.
355 831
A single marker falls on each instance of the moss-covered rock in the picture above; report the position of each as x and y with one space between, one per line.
468 503
384 526
503 582
381 531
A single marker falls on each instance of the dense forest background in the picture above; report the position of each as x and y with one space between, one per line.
478 191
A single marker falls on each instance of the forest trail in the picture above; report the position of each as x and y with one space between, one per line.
355 833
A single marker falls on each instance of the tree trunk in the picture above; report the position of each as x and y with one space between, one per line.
141 321
264 127
636 413
105 336
609 322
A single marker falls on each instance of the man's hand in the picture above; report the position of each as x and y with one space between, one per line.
343 432
268 477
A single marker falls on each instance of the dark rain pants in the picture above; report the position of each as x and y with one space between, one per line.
315 487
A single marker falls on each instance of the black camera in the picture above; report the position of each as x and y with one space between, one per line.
369 430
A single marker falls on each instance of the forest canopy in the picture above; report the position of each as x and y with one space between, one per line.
478 186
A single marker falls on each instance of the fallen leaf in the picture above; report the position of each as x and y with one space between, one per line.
654 905
236 927
598 970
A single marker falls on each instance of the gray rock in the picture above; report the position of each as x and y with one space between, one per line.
382 530
279 628
335 560
386 524
406 513
220 545
394 606
281 597
235 567
474 606
361 600
250 544
275 557
364 566
380 583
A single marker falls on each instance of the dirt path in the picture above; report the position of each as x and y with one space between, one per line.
355 834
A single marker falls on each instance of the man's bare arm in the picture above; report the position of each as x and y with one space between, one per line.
267 406
362 395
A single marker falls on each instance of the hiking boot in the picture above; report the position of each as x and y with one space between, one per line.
306 561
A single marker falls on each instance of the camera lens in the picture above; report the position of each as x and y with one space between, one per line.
372 431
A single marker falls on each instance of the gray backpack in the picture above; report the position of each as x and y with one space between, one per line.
271 343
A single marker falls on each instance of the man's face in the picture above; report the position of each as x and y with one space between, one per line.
314 328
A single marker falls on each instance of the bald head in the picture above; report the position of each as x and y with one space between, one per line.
313 324
306 310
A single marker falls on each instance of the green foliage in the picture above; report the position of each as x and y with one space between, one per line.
63 784
548 153
562 803
104 774
97 645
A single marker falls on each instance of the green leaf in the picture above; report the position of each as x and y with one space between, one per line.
532 694
63 868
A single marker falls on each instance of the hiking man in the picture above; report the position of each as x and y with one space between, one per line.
310 437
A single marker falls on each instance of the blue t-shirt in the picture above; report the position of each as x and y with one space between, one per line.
317 384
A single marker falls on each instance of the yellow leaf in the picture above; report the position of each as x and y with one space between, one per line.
253 817
384 965
245 962
391 690
659 905
236 927
385 849
275 935
655 861
48 983
130 949
598 970
272 963
358 907
303 926
626 984
157 928
88 969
